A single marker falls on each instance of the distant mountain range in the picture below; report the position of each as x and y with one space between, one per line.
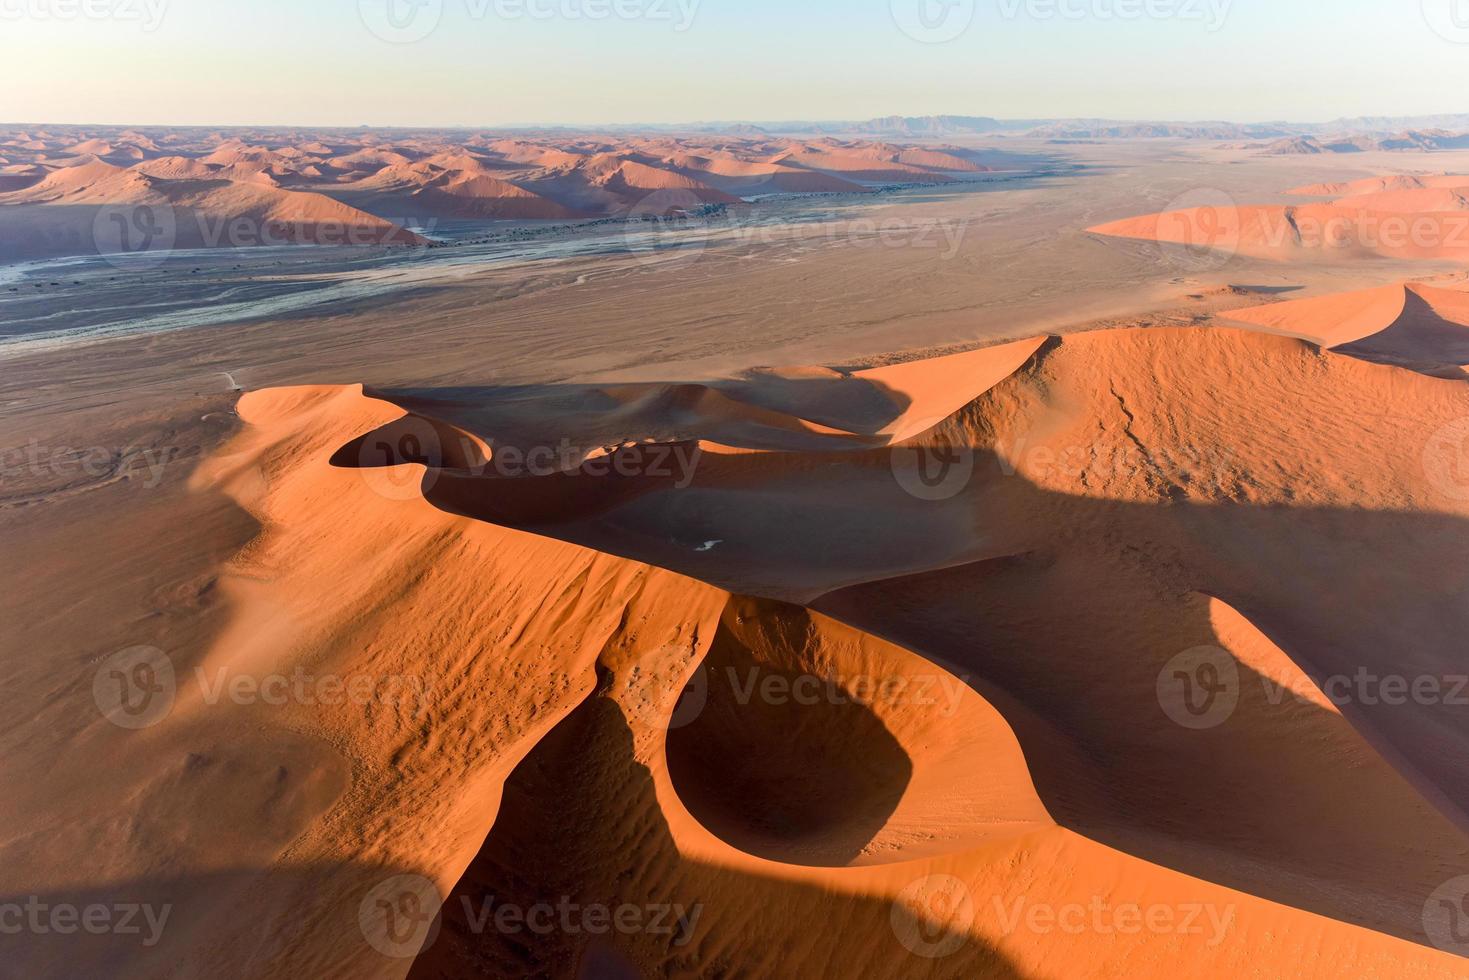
1355 135
1081 128
1347 135
1352 135
1407 140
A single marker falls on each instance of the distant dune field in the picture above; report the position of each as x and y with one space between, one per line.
295 188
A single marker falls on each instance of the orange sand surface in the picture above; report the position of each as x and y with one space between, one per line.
1414 325
1051 655
1398 217
588 632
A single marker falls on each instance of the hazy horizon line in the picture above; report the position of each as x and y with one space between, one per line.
776 125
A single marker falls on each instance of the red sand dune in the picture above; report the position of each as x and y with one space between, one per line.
73 180
1411 325
232 155
179 168
1128 496
855 165
637 181
1379 185
750 177
269 212
376 182
465 195
1428 199
534 154
937 160
436 187
98 148
368 160
1395 217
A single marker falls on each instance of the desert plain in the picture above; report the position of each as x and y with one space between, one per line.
966 558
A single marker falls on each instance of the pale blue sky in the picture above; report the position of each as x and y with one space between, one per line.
316 62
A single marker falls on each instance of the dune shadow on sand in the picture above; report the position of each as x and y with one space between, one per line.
1065 615
580 826
290 920
780 778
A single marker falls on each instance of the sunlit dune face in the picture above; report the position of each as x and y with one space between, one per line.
1092 640
1403 218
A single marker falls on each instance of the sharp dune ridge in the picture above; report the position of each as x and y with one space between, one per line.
1381 185
1399 217
1133 494
1414 325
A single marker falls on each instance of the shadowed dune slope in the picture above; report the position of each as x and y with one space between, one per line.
854 703
910 790
1114 502
1413 325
